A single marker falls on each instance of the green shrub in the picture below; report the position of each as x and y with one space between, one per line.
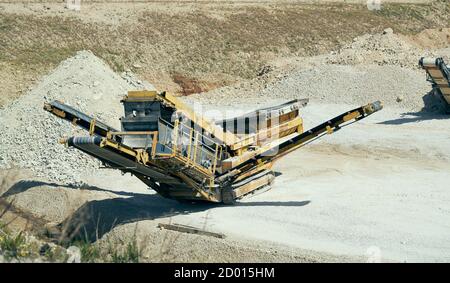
13 246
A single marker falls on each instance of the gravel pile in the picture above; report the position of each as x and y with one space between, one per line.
373 67
344 84
393 85
386 48
29 135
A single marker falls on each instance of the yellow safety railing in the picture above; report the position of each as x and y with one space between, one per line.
188 144
184 142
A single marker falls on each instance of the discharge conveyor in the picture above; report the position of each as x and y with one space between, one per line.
438 73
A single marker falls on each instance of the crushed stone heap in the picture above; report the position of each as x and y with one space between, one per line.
373 67
381 49
29 135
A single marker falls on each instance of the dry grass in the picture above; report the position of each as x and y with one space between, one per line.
196 50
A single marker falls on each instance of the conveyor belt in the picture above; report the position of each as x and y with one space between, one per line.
331 125
79 118
438 73
91 146
294 141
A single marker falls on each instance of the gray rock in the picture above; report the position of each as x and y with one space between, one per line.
388 31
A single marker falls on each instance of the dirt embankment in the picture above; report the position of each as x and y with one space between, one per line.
224 44
380 66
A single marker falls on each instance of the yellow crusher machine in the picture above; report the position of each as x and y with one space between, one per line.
438 73
184 156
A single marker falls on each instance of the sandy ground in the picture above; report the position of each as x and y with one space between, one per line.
378 188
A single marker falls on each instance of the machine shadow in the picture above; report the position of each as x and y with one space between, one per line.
25 185
95 218
435 108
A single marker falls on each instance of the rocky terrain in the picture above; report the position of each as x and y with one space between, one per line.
30 135
381 66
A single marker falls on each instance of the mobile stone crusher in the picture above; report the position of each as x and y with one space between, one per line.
184 156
